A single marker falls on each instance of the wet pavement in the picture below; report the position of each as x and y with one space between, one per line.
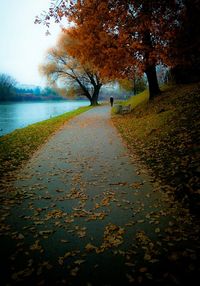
80 213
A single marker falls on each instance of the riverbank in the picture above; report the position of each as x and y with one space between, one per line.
165 134
16 115
18 146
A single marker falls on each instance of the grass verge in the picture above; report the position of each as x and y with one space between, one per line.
19 146
135 101
166 135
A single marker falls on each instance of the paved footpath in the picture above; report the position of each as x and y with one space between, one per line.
80 214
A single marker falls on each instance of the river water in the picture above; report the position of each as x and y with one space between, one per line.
19 115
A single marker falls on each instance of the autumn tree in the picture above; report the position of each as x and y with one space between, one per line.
60 65
128 34
107 34
116 36
119 35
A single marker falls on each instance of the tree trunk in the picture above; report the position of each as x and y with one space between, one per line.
154 89
94 102
150 70
95 96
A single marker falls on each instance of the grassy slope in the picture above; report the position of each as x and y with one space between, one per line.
19 145
165 134
134 101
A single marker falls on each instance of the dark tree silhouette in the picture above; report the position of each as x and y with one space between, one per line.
7 86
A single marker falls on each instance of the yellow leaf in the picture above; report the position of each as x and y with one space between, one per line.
143 269
147 257
60 260
89 247
74 271
79 261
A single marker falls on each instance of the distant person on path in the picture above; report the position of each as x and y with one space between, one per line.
111 101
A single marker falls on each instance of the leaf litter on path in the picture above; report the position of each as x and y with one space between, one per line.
72 226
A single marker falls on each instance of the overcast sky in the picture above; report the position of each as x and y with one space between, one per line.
23 43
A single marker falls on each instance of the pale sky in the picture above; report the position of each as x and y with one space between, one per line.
22 43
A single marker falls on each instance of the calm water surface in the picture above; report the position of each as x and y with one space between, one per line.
19 115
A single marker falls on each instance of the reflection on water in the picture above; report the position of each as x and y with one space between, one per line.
19 115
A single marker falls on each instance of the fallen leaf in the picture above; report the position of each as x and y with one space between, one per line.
20 236
89 247
74 271
79 261
143 269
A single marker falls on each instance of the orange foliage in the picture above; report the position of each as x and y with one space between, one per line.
62 64
118 35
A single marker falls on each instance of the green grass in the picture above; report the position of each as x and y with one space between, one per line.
19 146
135 101
165 133
138 99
